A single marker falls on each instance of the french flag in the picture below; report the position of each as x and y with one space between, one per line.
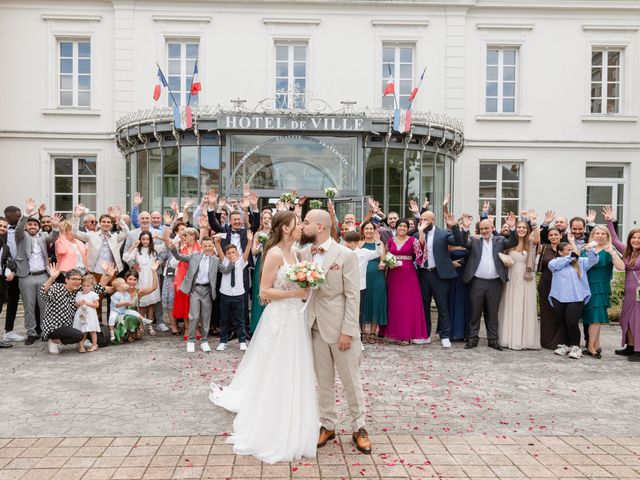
162 82
389 89
196 86
414 92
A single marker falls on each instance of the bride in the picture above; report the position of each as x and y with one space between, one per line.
274 391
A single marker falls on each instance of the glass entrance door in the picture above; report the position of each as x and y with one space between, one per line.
601 194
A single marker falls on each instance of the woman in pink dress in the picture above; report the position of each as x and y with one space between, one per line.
404 298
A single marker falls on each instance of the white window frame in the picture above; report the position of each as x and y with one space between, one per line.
75 179
396 69
610 182
183 95
500 93
497 202
292 94
605 49
75 71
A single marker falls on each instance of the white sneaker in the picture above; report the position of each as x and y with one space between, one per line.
146 321
575 352
221 347
113 337
54 348
446 343
87 343
162 327
243 346
562 350
191 347
204 346
13 337
420 341
428 340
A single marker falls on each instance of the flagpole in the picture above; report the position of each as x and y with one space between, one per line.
168 88
192 75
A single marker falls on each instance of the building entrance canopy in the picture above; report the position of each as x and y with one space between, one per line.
273 151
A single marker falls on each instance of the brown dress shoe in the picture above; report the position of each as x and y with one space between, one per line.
361 439
325 436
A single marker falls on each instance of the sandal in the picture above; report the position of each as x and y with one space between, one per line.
81 349
152 332
92 348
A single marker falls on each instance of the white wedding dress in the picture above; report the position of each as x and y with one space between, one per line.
274 389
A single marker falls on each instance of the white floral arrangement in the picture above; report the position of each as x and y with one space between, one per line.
315 204
390 260
330 192
287 197
263 238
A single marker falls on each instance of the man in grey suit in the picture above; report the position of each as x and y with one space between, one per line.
200 284
486 275
31 264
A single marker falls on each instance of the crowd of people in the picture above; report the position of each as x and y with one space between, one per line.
197 274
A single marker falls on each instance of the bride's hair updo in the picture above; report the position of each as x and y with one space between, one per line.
280 219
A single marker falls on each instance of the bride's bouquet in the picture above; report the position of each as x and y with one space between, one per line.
390 260
263 238
330 192
306 275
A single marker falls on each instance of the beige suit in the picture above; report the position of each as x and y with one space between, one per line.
94 243
333 310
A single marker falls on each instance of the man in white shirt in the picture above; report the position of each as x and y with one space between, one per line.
486 276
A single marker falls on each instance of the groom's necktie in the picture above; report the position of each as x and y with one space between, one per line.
317 250
233 276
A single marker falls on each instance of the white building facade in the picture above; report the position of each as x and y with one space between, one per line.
545 93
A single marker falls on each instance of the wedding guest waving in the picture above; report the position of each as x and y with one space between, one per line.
596 309
486 274
630 315
518 314
406 320
568 294
71 253
551 333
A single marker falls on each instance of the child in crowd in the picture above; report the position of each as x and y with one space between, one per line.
120 301
352 242
86 317
232 292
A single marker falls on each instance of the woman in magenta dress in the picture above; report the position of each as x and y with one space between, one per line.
404 298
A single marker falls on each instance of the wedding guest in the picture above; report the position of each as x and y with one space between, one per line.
518 313
436 271
630 315
374 310
486 275
595 311
569 292
256 250
458 301
60 298
406 320
89 223
169 273
12 215
551 332
7 269
188 245
31 265
86 318
71 252
142 255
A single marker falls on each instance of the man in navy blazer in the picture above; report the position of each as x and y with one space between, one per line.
486 275
437 270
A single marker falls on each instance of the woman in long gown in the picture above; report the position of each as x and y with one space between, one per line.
405 317
630 315
274 389
518 314
458 304
256 250
551 332
374 313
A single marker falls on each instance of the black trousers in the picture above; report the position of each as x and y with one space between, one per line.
484 298
66 335
568 315
433 286
13 297
232 316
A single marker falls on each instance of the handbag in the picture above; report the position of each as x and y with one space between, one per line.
506 260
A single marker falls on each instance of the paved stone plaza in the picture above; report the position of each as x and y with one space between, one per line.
141 411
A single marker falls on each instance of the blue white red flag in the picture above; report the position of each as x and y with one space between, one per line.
162 82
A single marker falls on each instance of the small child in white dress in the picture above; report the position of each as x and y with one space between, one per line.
86 317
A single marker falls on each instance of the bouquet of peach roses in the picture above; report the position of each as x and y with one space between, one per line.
306 274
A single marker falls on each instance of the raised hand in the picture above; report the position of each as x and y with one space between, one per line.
549 216
213 197
425 205
188 204
117 212
137 199
372 203
511 220
155 265
135 245
571 238
524 214
302 200
532 216
447 199
31 207
449 219
167 217
54 271
253 200
280 206
79 210
42 209
413 206
55 220
331 208
204 222
244 203
422 225
222 201
174 205
609 216
591 216
466 220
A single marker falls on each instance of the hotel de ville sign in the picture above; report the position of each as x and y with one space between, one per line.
319 123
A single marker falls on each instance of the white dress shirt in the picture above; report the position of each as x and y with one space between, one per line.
431 259
225 283
364 257
203 270
37 261
318 258
487 267
235 240
11 240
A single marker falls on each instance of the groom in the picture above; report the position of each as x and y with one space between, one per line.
335 332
